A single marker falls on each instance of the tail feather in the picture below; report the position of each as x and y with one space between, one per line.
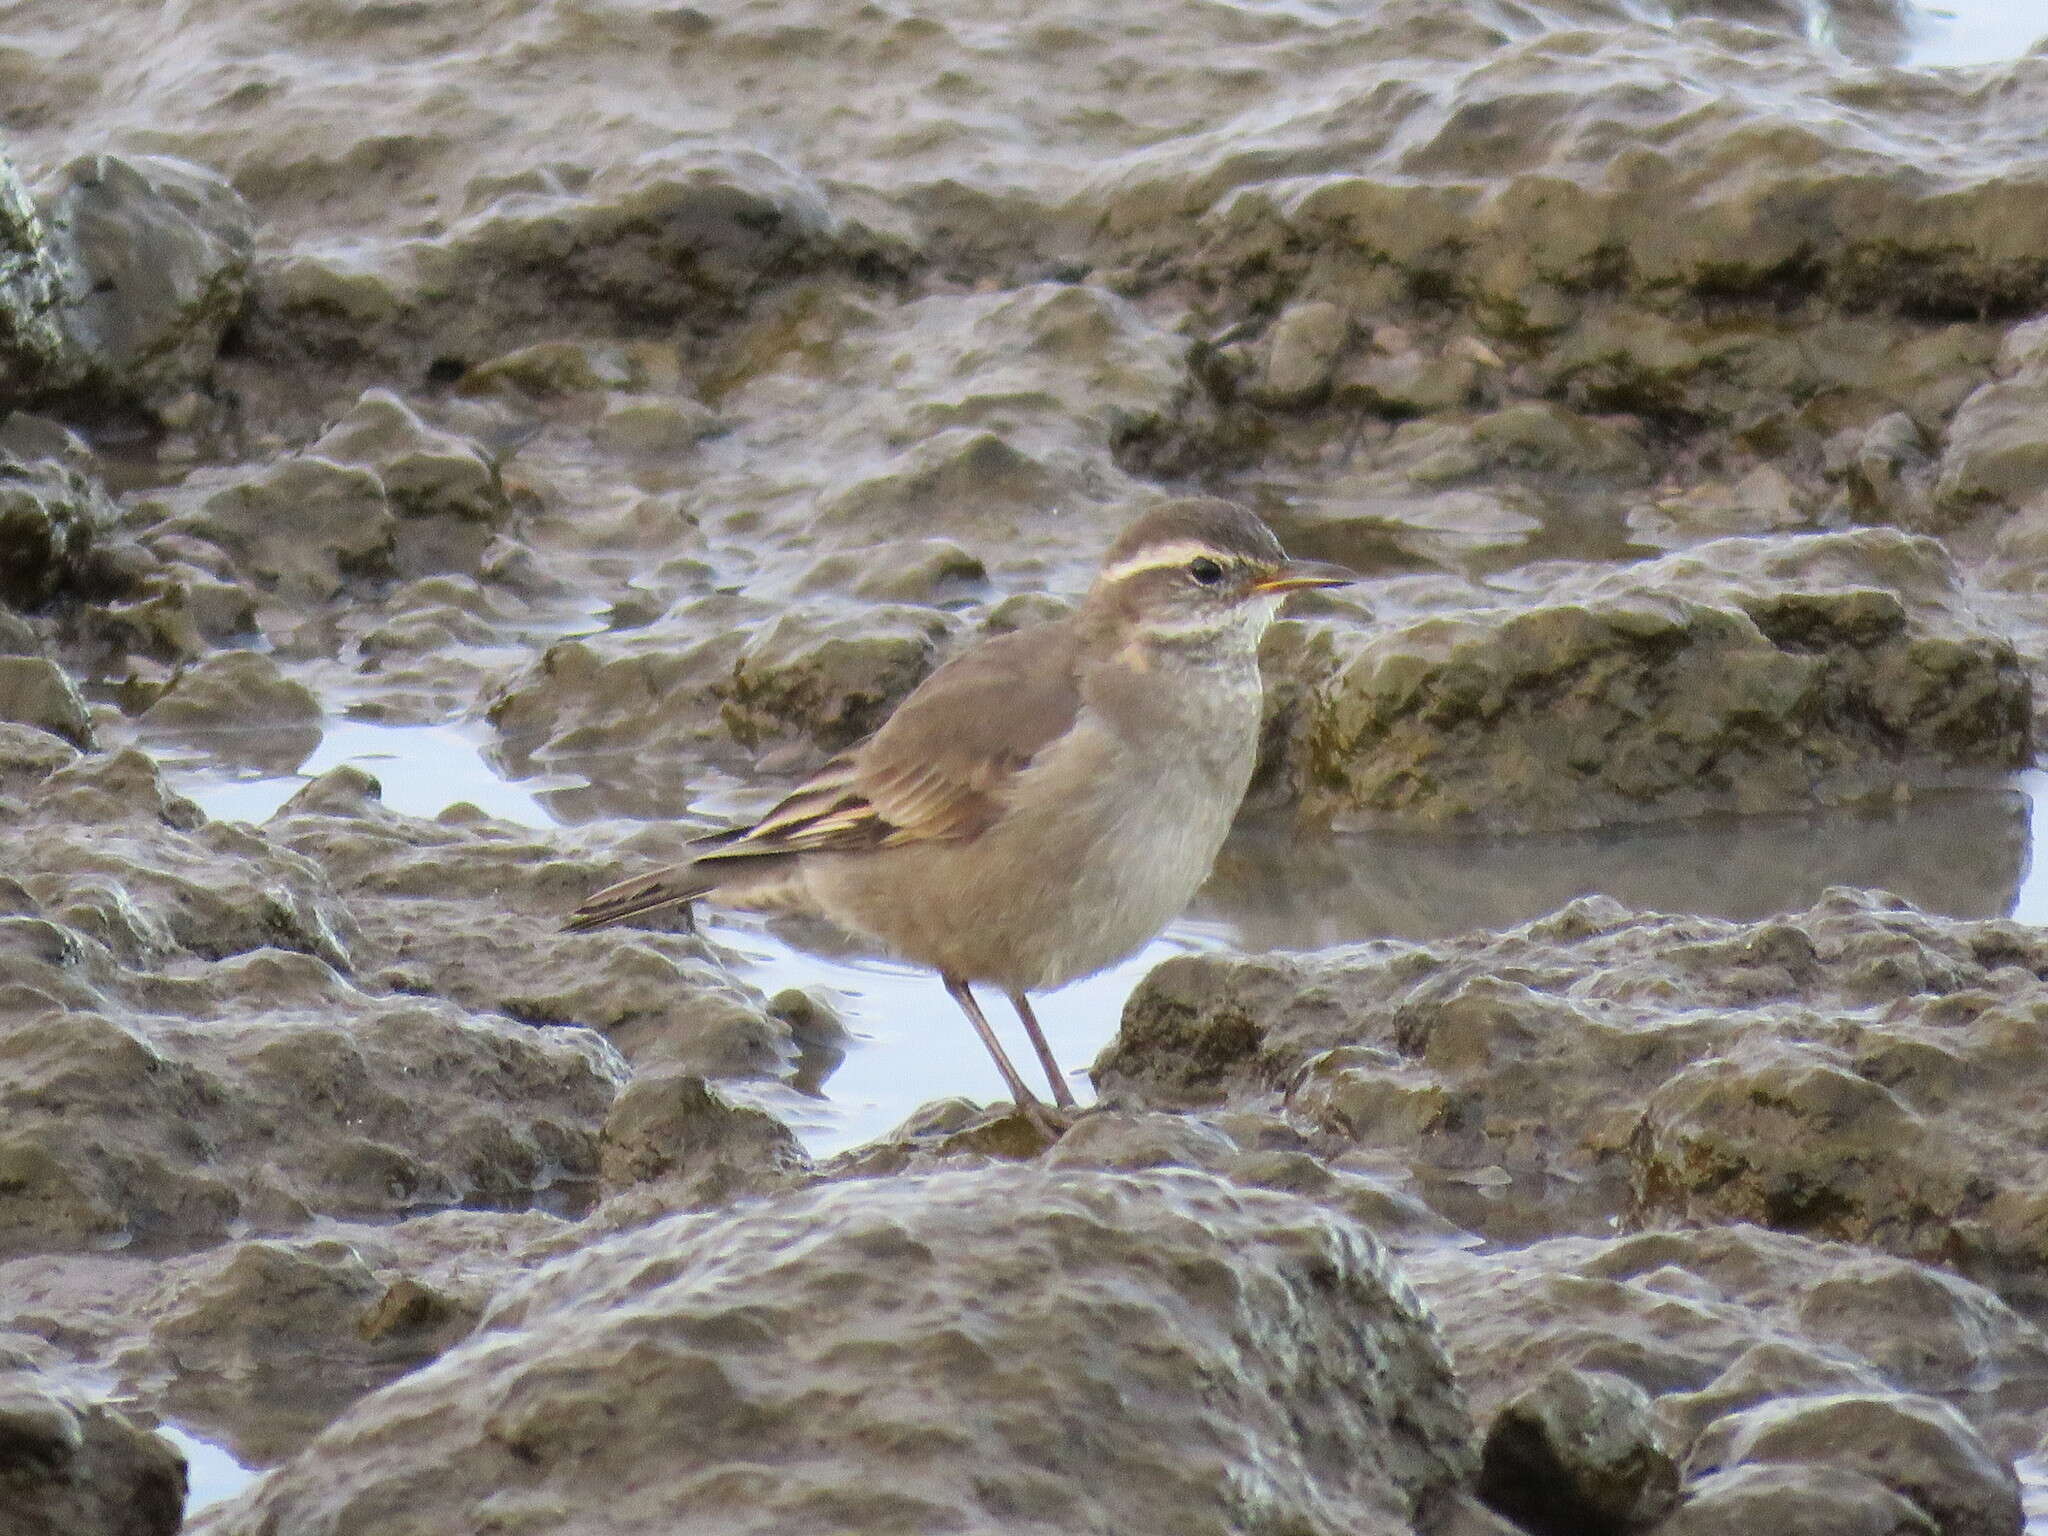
642 894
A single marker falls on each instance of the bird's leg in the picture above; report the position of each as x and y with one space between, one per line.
1062 1095
965 998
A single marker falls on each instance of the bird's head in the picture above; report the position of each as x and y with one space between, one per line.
1191 570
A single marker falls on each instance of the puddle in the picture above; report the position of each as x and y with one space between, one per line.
911 1042
424 769
1959 852
211 1474
1962 32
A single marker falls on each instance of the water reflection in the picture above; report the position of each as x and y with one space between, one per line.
1962 853
1959 852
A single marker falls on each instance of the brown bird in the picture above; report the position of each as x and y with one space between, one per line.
1045 803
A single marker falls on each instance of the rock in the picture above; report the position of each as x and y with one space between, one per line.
993 1309
1709 1324
425 472
1918 1447
1789 1137
174 1135
832 680
52 518
1762 501
157 254
70 1466
907 571
185 1053
679 1129
265 1342
473 912
652 426
696 224
35 352
34 692
304 527
1806 1500
1891 476
1301 349
242 708
1528 226
235 689
1833 1072
1578 1452
1746 675
1997 446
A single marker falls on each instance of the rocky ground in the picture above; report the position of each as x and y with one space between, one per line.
668 390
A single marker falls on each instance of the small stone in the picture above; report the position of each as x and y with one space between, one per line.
424 471
652 425
669 1126
1578 1453
34 692
1301 350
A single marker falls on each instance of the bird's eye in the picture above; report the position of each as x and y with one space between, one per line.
1205 571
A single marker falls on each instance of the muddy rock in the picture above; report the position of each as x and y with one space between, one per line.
1578 1451
680 1131
188 1052
425 472
1301 352
35 352
70 1466
53 515
990 419
243 707
301 526
831 680
1523 225
1795 1500
1259 1152
714 672
683 232
1834 1072
1997 448
262 1342
471 910
1007 1274
175 1125
157 253
34 692
1919 1448
1745 675
1717 1325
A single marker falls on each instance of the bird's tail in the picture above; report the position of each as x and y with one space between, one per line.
677 884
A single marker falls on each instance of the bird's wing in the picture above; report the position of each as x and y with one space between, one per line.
936 770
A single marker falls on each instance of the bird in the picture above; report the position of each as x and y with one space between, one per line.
1047 801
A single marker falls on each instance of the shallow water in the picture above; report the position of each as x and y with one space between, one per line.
1963 32
211 1474
1961 852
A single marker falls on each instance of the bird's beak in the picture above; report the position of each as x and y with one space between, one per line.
1296 575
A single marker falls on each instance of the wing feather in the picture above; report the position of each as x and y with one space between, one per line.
937 770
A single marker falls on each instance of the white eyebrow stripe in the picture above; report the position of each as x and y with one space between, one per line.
1163 555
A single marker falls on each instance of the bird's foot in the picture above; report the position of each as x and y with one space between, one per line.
1053 1121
